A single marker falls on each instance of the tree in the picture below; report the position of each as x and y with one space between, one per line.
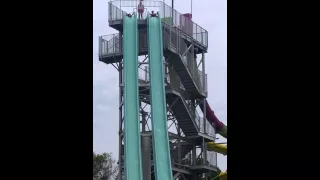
212 175
104 167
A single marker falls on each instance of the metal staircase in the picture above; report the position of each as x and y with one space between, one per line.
178 102
187 121
183 62
182 113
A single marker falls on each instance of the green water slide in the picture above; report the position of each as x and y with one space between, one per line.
160 139
132 153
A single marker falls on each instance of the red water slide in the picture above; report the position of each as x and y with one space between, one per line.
212 118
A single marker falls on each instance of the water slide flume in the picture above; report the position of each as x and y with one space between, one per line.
223 175
132 152
160 138
222 149
212 118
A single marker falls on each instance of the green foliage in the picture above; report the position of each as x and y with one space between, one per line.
213 175
104 167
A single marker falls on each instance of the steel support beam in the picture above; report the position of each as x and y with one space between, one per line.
191 45
200 62
143 119
179 147
143 62
146 157
115 66
181 137
120 123
174 102
194 155
175 176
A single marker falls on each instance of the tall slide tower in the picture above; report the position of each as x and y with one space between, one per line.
164 132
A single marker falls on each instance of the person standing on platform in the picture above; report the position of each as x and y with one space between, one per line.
140 9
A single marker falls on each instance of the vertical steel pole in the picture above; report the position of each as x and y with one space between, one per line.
191 6
120 121
204 89
146 156
172 4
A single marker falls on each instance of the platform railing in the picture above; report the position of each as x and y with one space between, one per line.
209 128
143 72
114 12
206 85
212 158
200 82
117 9
109 45
144 75
176 19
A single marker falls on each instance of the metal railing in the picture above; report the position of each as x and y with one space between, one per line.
198 120
117 9
114 12
212 158
109 44
209 128
203 84
143 72
206 85
184 23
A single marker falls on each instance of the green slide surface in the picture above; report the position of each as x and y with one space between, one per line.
160 139
132 153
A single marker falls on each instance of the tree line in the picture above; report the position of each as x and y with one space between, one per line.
104 167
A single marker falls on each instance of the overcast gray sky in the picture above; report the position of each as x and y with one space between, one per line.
210 15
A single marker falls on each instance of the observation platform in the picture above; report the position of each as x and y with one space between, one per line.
174 24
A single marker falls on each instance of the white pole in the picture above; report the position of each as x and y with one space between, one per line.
191 6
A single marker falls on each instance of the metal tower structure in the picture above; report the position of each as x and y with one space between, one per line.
184 46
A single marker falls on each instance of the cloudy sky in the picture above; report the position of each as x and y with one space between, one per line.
209 14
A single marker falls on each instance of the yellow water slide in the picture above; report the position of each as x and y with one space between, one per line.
223 175
219 148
